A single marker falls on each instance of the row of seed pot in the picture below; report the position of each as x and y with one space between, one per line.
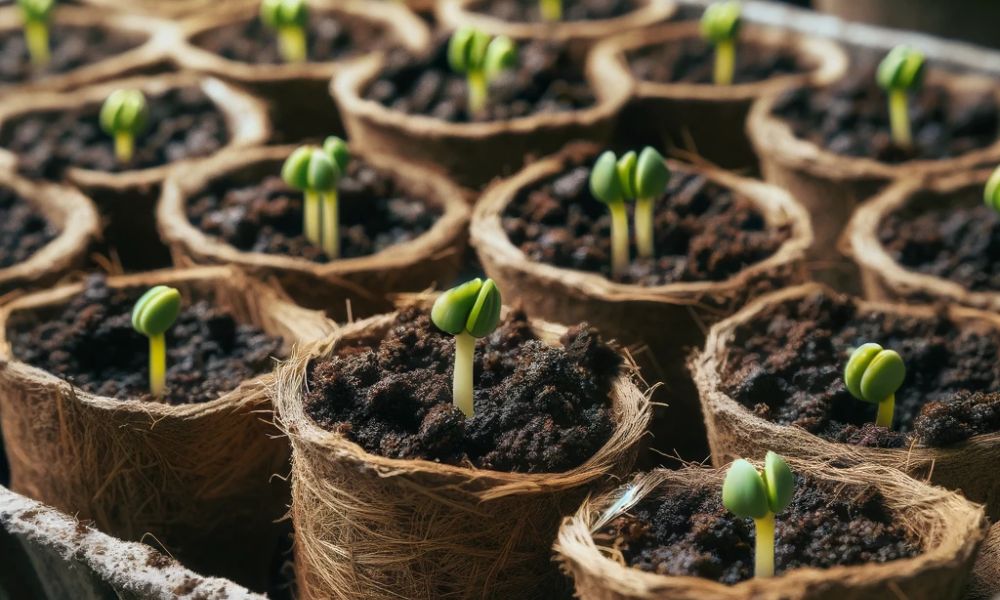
139 403
435 449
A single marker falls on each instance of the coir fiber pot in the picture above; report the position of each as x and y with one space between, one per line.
709 119
660 323
432 258
735 431
195 479
127 198
948 527
367 526
169 9
297 92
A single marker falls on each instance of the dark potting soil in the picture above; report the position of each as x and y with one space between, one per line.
23 229
692 61
851 118
702 231
375 213
686 531
527 11
70 48
787 367
184 123
91 343
545 81
538 408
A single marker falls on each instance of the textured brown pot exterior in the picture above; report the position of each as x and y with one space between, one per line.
195 478
948 527
664 322
167 9
710 120
985 584
369 527
433 259
734 431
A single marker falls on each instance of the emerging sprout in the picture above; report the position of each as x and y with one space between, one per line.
316 172
36 15
289 19
124 115
991 193
481 58
468 311
153 314
606 184
748 493
901 71
551 10
720 25
873 375
649 181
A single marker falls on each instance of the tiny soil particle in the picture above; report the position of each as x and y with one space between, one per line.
184 123
71 47
91 343
693 60
186 587
686 531
528 11
23 229
786 365
375 213
851 118
545 80
538 408
702 231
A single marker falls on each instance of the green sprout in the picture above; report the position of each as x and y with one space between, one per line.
751 494
720 25
153 314
649 181
551 10
900 72
468 311
607 186
317 172
124 116
36 14
873 375
991 193
481 58
289 19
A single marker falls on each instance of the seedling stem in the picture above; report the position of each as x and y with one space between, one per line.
551 10
36 36
157 364
331 227
292 43
311 216
764 546
619 239
462 384
899 117
725 62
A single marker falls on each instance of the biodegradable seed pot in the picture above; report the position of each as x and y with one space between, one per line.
464 506
235 45
61 137
174 9
190 471
719 240
865 533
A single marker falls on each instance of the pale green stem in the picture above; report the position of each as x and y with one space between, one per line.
644 227
157 364
886 408
124 146
764 552
899 118
551 10
478 90
36 36
331 225
725 62
292 44
619 239
462 387
311 217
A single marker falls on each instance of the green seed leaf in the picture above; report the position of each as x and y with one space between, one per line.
626 174
156 310
124 111
338 152
743 491
485 314
451 310
323 174
779 481
991 193
651 174
501 54
901 69
295 171
873 374
856 365
284 13
605 184
721 21
36 10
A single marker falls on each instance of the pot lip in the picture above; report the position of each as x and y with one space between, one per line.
489 238
829 58
861 241
245 115
157 8
401 24
175 227
455 13
773 138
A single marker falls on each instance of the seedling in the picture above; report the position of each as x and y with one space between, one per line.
649 182
749 493
468 311
316 172
36 14
873 375
607 185
124 116
289 19
720 24
991 193
481 58
153 314
899 73
551 10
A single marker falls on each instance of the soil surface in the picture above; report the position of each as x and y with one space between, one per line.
538 408
702 231
687 531
70 48
851 118
527 11
184 123
787 367
23 229
375 213
91 343
545 81
693 60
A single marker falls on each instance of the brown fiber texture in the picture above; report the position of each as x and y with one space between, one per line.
733 431
194 479
373 527
166 9
985 584
948 527
660 323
